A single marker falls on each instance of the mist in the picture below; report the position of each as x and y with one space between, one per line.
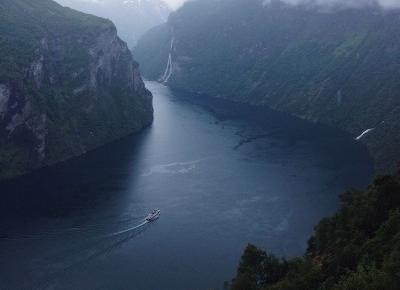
386 4
174 4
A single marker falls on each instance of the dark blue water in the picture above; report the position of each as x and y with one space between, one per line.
222 174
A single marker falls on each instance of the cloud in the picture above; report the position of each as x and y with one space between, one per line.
390 3
175 3
386 4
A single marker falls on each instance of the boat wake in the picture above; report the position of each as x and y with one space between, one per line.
174 168
145 222
92 250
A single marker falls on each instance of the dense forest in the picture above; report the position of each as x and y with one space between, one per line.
357 248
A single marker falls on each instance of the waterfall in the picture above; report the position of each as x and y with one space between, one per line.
364 133
169 69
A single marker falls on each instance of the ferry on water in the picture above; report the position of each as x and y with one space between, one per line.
154 215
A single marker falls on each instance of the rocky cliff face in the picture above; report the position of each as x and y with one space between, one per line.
68 84
339 66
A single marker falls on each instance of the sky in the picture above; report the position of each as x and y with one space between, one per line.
354 3
348 3
174 3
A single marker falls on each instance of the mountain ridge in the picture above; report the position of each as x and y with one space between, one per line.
338 68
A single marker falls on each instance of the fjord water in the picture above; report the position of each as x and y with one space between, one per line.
222 174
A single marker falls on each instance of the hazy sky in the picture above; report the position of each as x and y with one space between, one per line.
350 3
174 3
353 3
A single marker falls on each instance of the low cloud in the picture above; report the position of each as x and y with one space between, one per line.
172 3
386 4
175 3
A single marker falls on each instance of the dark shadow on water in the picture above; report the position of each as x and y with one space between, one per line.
78 183
89 251
289 130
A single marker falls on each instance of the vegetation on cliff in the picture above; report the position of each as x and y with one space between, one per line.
337 67
357 248
67 85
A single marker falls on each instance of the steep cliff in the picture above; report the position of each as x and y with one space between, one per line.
338 66
68 84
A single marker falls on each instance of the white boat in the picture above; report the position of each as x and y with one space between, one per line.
154 215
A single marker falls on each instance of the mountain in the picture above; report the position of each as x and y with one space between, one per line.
357 248
131 17
338 66
68 84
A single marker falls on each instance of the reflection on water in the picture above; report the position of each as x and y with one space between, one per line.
222 174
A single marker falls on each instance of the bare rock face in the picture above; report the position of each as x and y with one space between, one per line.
76 87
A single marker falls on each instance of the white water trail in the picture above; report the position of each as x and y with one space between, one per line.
172 168
129 230
95 248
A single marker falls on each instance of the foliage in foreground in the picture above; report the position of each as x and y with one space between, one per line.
357 248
